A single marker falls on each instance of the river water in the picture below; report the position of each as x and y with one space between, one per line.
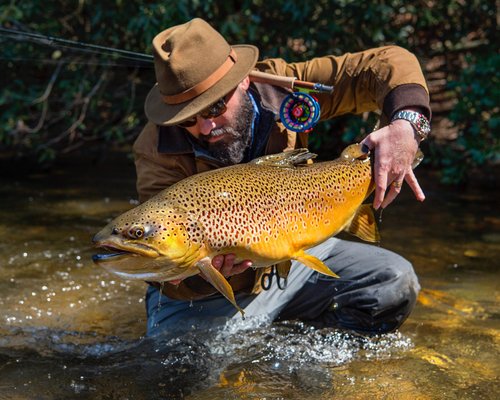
69 330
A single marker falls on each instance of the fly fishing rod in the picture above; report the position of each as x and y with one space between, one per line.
299 111
74 45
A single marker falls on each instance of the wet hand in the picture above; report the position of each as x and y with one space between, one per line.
226 266
395 146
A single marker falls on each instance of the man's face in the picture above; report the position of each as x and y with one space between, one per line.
227 136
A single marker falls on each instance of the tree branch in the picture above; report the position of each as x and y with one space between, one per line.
86 101
21 127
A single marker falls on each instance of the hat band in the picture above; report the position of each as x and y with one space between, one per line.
205 84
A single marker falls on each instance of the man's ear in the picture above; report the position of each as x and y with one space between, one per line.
245 83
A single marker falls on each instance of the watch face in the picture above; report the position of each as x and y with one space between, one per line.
423 125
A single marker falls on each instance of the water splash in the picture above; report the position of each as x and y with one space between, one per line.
258 340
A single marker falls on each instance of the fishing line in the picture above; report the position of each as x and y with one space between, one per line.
51 61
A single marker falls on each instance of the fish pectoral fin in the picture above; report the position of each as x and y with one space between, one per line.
218 281
314 263
364 224
283 268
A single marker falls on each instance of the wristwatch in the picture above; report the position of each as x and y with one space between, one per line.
419 122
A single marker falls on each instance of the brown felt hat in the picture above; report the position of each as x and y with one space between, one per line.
194 67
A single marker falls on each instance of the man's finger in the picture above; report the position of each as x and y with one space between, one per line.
395 189
367 143
227 266
242 266
380 188
412 181
217 261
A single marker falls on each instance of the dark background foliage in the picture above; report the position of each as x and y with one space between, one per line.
57 99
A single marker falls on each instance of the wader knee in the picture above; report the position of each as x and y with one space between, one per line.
381 304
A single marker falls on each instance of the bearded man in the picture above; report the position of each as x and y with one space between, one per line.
205 112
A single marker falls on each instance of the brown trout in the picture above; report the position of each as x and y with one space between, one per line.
268 211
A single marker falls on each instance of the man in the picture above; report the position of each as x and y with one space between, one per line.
205 113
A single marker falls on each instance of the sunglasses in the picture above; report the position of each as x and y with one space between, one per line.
213 111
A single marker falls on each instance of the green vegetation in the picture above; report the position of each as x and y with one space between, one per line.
476 114
56 99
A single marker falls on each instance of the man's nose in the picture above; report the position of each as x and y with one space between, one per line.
205 125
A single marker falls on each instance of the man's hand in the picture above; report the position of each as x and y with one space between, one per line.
225 265
395 146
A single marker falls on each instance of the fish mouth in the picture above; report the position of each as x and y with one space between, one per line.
108 256
136 266
114 253
126 264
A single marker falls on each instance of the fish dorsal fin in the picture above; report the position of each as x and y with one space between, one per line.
364 225
314 263
218 281
286 159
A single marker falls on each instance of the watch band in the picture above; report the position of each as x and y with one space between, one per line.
419 122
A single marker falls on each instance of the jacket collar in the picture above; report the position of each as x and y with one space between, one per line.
176 141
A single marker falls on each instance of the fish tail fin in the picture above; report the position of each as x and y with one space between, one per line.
419 156
355 151
314 263
364 225
218 281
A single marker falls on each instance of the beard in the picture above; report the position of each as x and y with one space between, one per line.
237 135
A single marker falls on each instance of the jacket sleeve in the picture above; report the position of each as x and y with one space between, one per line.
155 171
386 79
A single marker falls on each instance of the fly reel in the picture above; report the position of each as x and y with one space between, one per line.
299 112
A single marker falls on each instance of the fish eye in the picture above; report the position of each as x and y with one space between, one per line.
136 232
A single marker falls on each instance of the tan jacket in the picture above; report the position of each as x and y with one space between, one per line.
386 79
